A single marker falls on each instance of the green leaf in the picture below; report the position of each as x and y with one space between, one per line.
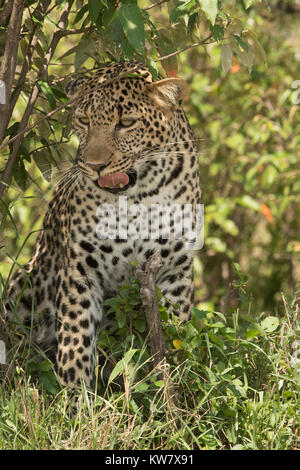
127 49
47 90
260 54
181 9
252 333
192 21
269 176
20 174
249 202
247 58
60 95
140 324
244 46
46 365
95 7
270 324
236 142
230 227
131 19
159 383
217 32
199 314
81 13
121 317
11 425
24 152
237 387
129 355
154 72
109 14
239 272
216 244
50 383
248 3
119 367
210 8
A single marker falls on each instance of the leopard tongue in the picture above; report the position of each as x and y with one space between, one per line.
114 180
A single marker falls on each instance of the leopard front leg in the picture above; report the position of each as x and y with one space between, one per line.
177 285
79 313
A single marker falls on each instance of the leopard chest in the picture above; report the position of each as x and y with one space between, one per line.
107 232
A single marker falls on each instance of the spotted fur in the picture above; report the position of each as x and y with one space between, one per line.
130 125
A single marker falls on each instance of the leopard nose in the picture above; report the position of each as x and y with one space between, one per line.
96 166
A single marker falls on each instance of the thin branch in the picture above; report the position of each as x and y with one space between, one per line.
38 12
146 274
67 32
9 61
190 46
33 97
155 5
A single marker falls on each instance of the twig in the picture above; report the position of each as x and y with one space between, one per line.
155 5
67 32
28 56
190 46
9 61
146 274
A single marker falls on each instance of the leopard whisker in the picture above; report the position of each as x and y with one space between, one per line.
176 142
170 156
67 179
73 185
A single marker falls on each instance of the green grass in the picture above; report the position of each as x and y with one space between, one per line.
236 379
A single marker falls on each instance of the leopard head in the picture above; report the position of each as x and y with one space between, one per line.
118 118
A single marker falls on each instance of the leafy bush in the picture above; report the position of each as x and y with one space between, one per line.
236 381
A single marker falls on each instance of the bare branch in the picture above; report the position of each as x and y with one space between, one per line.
9 61
146 274
155 4
38 12
67 32
190 46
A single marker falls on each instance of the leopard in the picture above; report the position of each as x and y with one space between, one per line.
136 146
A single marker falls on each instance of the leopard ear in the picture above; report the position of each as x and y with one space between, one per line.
73 87
168 93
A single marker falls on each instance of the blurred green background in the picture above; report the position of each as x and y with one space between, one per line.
248 126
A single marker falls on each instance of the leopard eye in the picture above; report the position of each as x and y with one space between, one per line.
125 123
83 120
